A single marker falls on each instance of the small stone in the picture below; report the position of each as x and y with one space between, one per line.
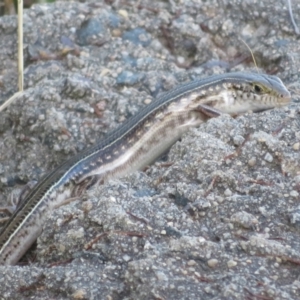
161 276
231 263
87 205
219 200
252 162
126 258
294 216
201 239
104 72
76 234
61 248
212 262
238 140
64 137
191 262
79 294
112 199
56 147
228 193
294 194
296 146
297 179
123 13
116 32
244 219
180 60
268 157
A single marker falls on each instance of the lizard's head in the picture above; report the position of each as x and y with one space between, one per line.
244 92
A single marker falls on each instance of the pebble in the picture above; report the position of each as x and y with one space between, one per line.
212 262
296 146
294 194
231 263
268 157
228 193
252 162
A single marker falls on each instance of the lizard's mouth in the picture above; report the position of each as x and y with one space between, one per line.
285 98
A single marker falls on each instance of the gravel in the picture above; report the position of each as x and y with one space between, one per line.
218 217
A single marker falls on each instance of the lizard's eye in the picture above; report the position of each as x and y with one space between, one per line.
258 89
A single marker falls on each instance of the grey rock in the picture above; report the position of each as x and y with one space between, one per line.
211 223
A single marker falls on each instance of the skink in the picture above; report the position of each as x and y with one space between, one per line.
135 144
